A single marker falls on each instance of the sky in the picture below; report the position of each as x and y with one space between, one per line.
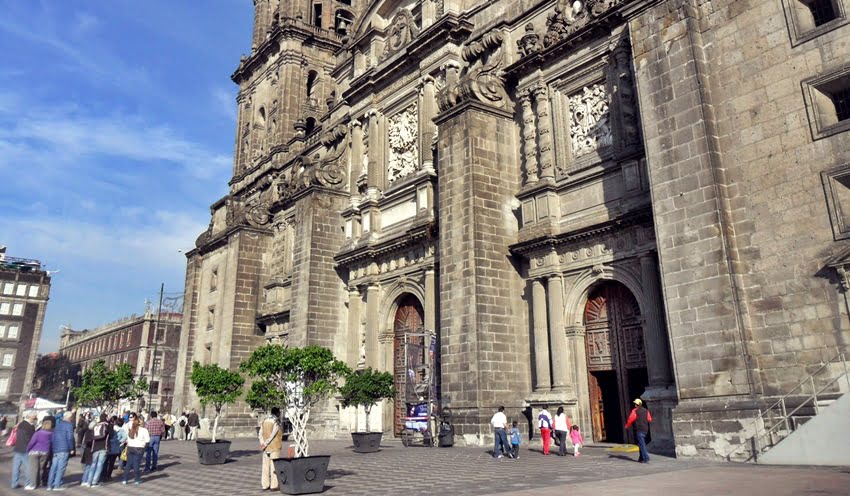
117 123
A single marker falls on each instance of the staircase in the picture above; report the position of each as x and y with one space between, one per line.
811 419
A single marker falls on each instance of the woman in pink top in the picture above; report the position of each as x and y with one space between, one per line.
575 438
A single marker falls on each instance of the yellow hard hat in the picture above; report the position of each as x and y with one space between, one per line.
637 402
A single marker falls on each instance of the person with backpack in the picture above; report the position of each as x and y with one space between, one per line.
544 422
19 438
181 426
97 448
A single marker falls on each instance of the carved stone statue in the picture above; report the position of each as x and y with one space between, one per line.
590 128
403 137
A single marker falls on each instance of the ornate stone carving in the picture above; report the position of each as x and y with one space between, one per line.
544 129
402 136
401 31
530 41
482 80
624 89
571 15
529 137
329 172
590 128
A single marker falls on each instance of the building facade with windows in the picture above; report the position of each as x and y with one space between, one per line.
145 342
583 201
24 291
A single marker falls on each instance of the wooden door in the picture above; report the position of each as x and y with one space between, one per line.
409 318
614 342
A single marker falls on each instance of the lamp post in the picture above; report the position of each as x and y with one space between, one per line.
155 341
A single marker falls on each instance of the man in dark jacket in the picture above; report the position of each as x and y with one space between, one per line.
61 444
25 430
194 423
640 418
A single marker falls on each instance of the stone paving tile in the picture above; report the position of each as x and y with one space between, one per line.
395 470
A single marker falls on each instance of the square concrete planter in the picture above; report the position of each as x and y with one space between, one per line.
305 475
210 453
366 442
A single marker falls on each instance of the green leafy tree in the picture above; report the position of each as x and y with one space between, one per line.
263 396
105 387
302 377
216 386
366 388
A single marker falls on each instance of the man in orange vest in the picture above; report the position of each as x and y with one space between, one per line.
271 442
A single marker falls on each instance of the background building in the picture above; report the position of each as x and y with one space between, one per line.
585 201
147 343
24 291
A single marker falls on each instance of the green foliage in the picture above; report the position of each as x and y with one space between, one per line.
301 376
106 388
367 387
215 385
263 395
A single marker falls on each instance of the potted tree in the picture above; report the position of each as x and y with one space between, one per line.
219 387
262 396
302 377
366 388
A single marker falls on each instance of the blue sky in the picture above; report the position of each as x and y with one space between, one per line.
117 122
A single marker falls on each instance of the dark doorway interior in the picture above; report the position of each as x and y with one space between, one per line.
609 394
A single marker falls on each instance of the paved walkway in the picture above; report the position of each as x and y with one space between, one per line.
464 471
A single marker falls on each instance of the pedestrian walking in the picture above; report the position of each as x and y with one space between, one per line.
182 426
271 442
156 429
48 460
544 422
168 420
23 432
515 439
575 438
116 440
639 419
98 447
499 422
562 429
194 422
137 438
37 450
62 443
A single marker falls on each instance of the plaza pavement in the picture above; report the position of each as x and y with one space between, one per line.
464 471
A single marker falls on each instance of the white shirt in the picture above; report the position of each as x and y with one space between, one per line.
499 420
142 438
540 421
561 423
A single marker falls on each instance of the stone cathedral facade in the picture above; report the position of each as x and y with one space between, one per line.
584 201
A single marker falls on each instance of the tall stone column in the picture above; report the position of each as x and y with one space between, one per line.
658 360
373 177
353 348
529 138
430 300
427 112
356 155
544 132
542 374
372 325
561 373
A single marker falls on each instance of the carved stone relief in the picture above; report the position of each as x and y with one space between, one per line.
590 127
483 79
402 31
402 136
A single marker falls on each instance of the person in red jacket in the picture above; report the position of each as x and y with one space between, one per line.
640 418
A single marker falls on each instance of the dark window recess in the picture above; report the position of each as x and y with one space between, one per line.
822 11
154 387
317 15
841 100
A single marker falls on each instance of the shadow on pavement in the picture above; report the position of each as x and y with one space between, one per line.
338 473
623 457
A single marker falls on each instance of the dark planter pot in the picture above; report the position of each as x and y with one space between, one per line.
366 442
304 475
212 453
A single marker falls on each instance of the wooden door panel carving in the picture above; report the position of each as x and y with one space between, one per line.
409 318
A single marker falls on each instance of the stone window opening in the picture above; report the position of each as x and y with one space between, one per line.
312 79
342 21
260 122
828 102
214 280
808 19
836 185
311 125
317 15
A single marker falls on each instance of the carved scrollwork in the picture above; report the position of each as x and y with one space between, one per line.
590 128
530 41
401 31
571 15
482 80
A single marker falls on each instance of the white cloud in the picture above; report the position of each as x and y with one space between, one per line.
225 102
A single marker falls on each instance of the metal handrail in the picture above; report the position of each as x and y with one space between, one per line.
785 416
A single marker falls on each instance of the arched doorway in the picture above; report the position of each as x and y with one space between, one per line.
616 359
409 318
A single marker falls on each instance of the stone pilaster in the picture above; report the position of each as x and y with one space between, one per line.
542 373
529 138
542 110
427 112
354 339
373 295
562 379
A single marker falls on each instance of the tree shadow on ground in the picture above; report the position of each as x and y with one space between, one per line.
242 453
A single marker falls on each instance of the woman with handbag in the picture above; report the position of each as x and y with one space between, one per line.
137 438
116 445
